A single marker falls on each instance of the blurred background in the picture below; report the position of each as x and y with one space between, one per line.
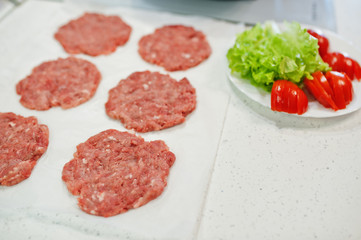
315 12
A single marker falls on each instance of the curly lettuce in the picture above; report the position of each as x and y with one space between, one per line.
263 55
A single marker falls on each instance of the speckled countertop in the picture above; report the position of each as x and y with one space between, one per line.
275 176
282 177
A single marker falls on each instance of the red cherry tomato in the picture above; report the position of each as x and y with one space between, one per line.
324 83
287 97
342 88
356 70
322 42
321 90
341 63
349 67
335 60
333 90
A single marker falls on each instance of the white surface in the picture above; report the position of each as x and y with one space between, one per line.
41 207
348 20
5 7
315 109
278 176
283 177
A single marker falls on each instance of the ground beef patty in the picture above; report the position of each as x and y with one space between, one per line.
148 101
63 82
22 142
114 171
93 34
175 47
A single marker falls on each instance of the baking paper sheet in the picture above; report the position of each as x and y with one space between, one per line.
41 207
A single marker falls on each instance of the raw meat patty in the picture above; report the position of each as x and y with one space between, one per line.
175 47
63 82
114 171
22 142
149 101
93 34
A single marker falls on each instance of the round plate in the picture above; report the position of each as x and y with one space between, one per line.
315 109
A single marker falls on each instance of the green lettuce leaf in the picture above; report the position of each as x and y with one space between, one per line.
263 55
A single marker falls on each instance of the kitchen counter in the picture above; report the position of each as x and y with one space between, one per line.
273 175
283 177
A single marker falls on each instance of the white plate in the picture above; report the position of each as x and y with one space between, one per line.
315 109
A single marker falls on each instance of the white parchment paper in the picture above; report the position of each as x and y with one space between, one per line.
41 207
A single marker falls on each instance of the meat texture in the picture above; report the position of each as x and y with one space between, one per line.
65 82
22 142
115 171
175 47
93 34
148 101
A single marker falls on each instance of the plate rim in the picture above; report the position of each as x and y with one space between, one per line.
317 110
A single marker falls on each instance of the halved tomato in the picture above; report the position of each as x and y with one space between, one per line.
323 81
335 60
356 70
333 90
341 63
348 67
287 97
322 42
342 88
321 90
